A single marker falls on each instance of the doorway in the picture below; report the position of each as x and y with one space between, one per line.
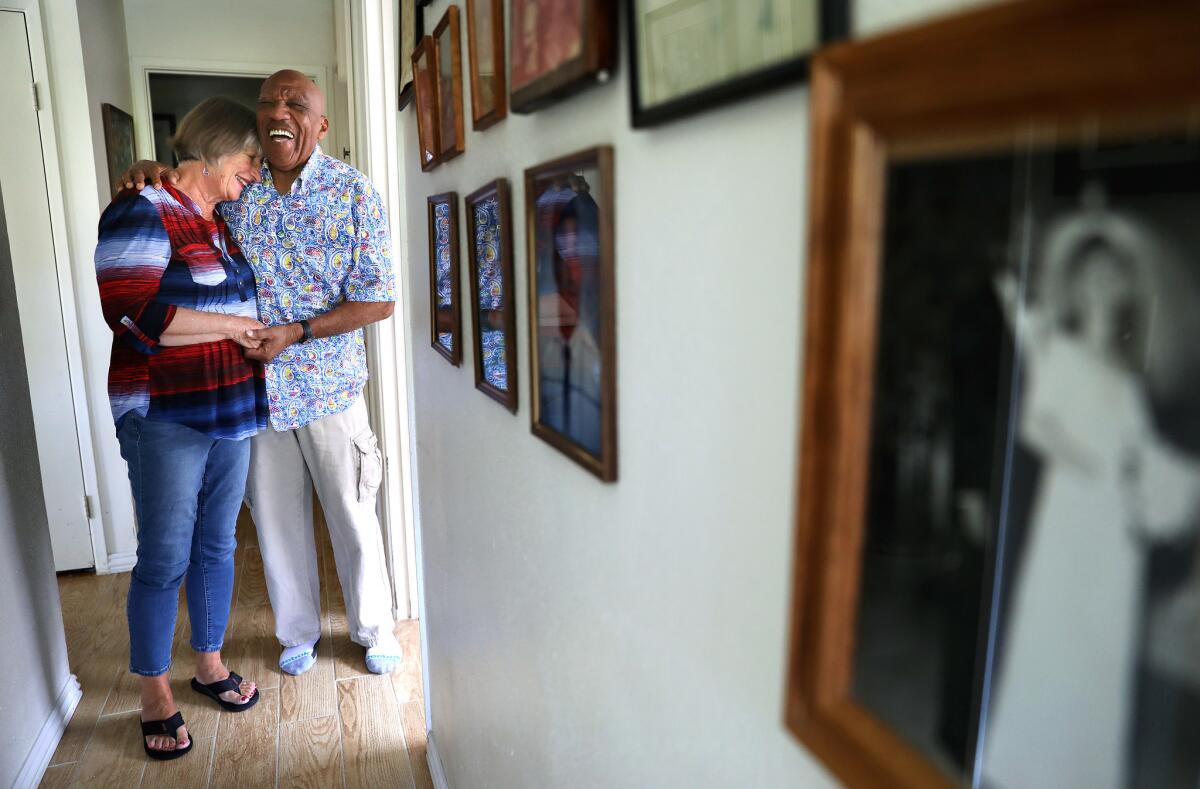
35 272
173 96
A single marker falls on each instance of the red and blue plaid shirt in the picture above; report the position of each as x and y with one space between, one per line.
156 252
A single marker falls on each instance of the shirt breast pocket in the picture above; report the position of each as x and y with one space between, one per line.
204 264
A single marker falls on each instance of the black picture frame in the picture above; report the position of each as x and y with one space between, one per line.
501 244
833 24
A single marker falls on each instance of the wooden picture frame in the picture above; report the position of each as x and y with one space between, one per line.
589 58
832 23
948 88
445 302
411 30
447 57
487 28
425 100
120 145
490 252
572 307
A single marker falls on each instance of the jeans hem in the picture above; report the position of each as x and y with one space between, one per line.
208 648
157 673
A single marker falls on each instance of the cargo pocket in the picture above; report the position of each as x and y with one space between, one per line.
370 464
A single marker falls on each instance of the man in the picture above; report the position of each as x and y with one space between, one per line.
316 234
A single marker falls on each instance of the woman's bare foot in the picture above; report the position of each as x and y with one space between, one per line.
210 669
158 704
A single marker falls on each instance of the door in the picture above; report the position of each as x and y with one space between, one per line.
27 213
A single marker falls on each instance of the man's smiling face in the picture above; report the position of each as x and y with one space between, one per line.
291 119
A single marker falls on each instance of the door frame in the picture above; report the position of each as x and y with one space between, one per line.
140 69
49 115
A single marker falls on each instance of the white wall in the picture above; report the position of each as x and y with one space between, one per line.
106 64
634 634
35 657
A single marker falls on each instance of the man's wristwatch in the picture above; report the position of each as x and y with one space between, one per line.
307 331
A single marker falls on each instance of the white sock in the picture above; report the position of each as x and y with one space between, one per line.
291 653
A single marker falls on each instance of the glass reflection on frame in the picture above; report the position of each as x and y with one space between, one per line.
489 230
569 204
448 65
444 312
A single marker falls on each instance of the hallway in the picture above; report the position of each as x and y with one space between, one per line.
334 726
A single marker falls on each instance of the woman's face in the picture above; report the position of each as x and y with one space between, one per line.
235 172
1104 291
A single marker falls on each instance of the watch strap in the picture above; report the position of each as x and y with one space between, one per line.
308 335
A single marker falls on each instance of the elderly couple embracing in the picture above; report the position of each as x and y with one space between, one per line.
237 290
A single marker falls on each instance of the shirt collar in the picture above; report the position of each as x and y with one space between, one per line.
316 161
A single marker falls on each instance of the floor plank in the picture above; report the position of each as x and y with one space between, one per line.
246 745
415 739
406 679
186 772
312 694
372 740
252 588
58 776
251 648
114 756
310 754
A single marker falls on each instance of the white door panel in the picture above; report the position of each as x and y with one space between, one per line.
27 214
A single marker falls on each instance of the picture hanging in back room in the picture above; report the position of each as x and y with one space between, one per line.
559 47
485 45
493 302
118 143
426 102
447 57
445 315
411 30
997 554
686 56
572 307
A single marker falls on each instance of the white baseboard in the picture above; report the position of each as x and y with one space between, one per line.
122 562
47 740
435 763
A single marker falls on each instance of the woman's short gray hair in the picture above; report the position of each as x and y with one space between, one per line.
215 128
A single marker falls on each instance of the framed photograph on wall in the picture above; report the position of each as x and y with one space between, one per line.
493 298
572 307
164 130
412 29
559 47
485 44
686 56
118 143
445 315
998 491
426 98
447 48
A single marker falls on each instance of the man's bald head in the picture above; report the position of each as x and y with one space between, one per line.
291 120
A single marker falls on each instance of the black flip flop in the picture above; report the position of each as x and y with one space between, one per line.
167 728
214 690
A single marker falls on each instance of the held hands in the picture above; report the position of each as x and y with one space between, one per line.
148 171
240 332
273 339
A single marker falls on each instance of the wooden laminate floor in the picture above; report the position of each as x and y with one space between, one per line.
335 726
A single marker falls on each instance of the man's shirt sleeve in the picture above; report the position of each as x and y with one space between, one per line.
371 277
132 253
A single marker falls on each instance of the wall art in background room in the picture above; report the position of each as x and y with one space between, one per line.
689 55
445 316
447 49
572 307
118 143
412 29
559 47
485 45
426 101
489 233
997 556
164 130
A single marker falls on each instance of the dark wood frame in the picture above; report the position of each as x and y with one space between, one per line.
449 21
482 119
595 62
500 189
109 114
603 466
454 356
426 105
834 24
943 88
406 91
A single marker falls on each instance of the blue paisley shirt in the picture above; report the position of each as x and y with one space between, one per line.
323 243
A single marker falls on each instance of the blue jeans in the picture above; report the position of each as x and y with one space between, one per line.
187 489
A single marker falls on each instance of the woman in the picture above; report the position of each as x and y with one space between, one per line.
180 298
